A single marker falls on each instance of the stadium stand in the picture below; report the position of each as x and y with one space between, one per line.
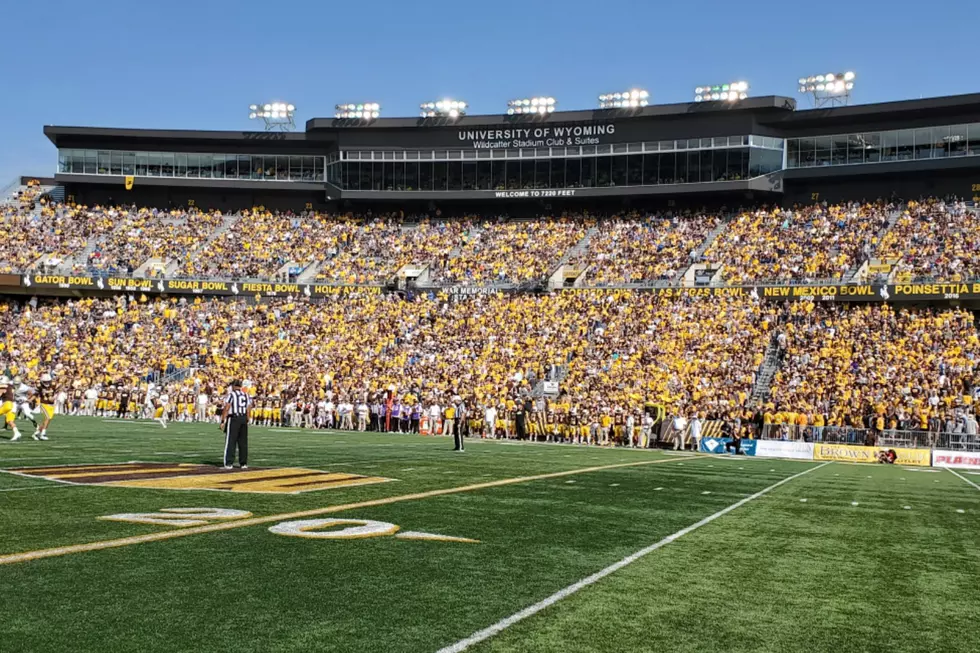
265 242
618 352
928 239
139 235
383 246
844 364
934 240
781 369
512 252
812 243
635 249
55 231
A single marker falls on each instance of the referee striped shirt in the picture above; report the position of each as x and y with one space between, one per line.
238 403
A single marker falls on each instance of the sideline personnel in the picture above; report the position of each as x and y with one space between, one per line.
234 423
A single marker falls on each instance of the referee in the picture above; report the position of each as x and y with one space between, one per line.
234 423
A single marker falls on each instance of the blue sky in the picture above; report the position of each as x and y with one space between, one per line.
197 65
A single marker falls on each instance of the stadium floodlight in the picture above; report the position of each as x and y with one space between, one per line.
631 99
732 92
358 111
447 108
829 88
276 115
531 105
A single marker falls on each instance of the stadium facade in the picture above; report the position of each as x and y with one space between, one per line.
759 150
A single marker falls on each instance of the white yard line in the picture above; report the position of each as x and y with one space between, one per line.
957 474
138 423
31 487
4 459
532 610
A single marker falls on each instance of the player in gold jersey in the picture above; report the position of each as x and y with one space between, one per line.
45 398
7 405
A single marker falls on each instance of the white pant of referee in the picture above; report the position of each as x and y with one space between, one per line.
236 436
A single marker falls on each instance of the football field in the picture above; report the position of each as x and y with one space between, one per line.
122 536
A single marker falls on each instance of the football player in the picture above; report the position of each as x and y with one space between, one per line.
161 403
45 394
22 402
7 407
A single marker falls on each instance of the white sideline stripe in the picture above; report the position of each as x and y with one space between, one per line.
950 470
532 610
32 487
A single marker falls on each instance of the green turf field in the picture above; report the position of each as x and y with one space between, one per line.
785 556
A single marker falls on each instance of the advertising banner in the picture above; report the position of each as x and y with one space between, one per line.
188 286
783 449
717 445
852 453
957 459
834 293
838 293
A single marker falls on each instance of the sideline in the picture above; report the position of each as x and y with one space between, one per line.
957 474
532 610
255 521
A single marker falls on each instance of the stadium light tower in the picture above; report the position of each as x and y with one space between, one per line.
732 92
531 105
631 99
831 89
443 109
358 111
276 115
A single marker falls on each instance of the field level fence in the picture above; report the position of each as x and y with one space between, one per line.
906 438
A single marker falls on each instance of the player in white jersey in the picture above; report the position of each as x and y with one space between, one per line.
162 404
22 402
149 403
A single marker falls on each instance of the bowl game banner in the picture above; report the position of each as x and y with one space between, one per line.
852 453
189 286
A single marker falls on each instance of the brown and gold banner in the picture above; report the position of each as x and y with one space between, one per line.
909 292
187 286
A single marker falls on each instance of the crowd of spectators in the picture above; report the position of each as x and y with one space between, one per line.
850 365
58 231
811 243
512 252
27 195
141 234
262 242
934 239
691 357
617 353
381 247
817 243
637 248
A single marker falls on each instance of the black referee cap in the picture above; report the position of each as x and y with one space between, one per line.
236 383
